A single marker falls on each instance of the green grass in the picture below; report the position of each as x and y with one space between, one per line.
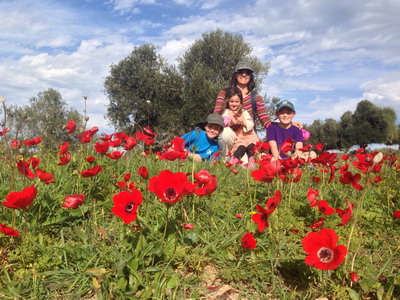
69 254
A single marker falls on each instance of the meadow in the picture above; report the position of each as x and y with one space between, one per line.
110 219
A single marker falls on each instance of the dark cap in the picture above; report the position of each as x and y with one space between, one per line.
215 119
285 103
241 65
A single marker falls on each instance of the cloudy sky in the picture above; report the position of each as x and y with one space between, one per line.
325 55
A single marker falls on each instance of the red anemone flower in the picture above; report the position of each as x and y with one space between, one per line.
127 176
102 147
168 186
116 142
312 197
71 126
8 230
74 201
91 172
4 131
324 207
126 205
354 277
64 148
64 160
348 178
34 161
396 214
287 145
142 172
148 140
23 167
44 176
261 219
207 189
268 171
320 146
21 199
345 215
33 142
248 241
323 253
188 226
202 177
115 155
274 201
90 159
176 150
317 224
15 144
130 143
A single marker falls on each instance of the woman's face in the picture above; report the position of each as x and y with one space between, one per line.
243 76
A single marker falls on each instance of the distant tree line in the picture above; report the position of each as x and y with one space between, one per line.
367 124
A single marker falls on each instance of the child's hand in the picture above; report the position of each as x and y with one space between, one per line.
197 157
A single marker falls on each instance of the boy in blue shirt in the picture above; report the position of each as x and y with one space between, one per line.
203 144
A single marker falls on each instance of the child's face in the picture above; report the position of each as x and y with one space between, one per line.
213 130
285 115
234 103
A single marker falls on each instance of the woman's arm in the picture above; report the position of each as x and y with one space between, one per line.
219 103
262 112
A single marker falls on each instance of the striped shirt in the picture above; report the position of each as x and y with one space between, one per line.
261 111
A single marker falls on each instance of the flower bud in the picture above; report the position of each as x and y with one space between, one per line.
378 157
2 100
22 151
86 118
354 277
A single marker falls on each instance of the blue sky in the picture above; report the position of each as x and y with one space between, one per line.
325 56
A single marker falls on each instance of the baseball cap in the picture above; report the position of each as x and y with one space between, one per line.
285 103
241 65
215 119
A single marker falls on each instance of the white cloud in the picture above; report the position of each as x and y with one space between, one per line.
172 49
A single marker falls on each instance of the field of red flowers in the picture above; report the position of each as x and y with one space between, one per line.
110 218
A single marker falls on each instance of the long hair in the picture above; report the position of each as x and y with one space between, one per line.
229 93
250 86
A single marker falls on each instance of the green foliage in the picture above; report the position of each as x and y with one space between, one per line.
368 124
45 116
179 99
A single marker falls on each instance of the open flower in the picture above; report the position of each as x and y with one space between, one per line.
274 201
261 219
91 172
168 186
126 205
33 142
248 241
71 126
44 176
323 253
345 214
74 201
21 199
8 230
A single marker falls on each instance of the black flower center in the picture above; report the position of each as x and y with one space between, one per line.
129 207
170 194
325 255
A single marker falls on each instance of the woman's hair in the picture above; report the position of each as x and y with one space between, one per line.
250 86
230 92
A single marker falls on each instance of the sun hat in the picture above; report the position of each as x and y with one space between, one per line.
285 103
215 119
241 65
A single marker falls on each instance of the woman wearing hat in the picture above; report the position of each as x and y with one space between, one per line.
242 79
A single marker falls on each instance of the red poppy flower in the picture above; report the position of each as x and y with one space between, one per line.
148 140
142 172
119 135
44 176
23 167
8 230
345 214
21 199
345 157
261 219
115 155
354 277
262 147
396 214
365 161
207 189
126 205
317 224
130 143
102 147
268 171
90 159
127 176
176 150
239 215
188 226
149 131
116 142
248 241
74 201
15 144
64 160
326 159
168 186
202 177
71 126
320 146
312 197
274 201
344 168
33 142
91 172
323 253
348 178
287 146
324 207
4 131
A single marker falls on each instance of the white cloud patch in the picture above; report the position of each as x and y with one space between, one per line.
173 49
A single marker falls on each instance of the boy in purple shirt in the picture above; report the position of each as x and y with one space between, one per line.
277 133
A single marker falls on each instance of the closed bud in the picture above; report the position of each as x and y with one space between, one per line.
22 151
24 116
86 118
2 100
354 277
378 157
